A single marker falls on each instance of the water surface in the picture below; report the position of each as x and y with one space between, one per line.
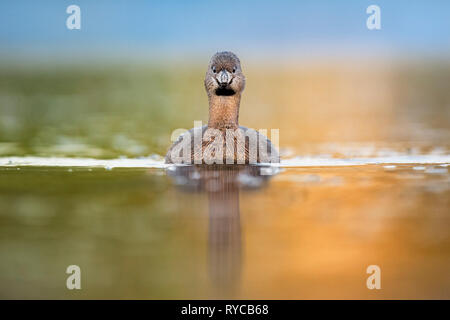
364 180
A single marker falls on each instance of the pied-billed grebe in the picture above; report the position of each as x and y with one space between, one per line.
223 141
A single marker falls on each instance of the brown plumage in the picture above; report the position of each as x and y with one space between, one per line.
224 83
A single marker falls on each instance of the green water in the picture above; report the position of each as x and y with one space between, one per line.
101 113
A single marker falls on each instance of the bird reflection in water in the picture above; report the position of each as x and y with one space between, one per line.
222 184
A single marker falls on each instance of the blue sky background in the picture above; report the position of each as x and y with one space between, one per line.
36 29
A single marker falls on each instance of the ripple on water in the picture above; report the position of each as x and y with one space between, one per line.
436 170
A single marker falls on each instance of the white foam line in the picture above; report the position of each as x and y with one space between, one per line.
392 160
81 162
153 163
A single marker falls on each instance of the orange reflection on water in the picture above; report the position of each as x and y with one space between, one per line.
313 233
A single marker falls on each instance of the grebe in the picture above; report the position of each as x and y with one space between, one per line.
224 83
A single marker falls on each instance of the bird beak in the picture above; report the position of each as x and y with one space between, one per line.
224 78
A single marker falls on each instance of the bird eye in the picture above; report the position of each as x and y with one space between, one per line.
234 69
213 68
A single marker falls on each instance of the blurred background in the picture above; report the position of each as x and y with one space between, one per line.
134 72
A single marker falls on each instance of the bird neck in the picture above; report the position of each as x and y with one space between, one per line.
224 111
